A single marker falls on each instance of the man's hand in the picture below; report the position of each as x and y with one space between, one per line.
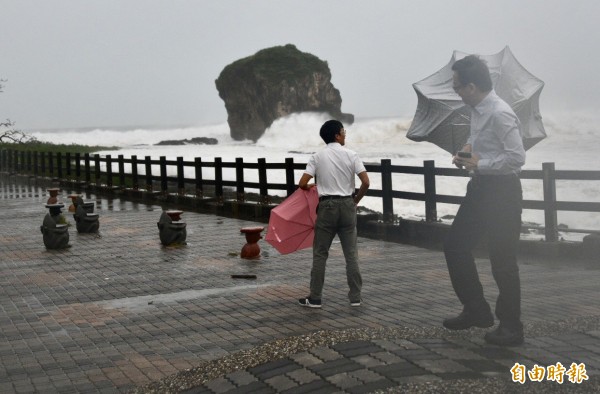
364 186
470 163
303 184
460 162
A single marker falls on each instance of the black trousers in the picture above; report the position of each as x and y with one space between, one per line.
491 209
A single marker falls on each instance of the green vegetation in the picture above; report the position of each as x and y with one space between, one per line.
37 146
277 64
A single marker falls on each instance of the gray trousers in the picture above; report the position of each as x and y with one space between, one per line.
335 217
491 209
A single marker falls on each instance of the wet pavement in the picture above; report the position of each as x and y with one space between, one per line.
118 311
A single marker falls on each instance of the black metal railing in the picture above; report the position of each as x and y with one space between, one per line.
55 165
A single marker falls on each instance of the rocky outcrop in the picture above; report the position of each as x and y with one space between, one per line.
273 83
192 141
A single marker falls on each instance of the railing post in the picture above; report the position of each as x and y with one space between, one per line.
97 169
23 166
68 164
86 167
43 160
262 181
78 166
35 163
289 175
109 174
180 177
15 161
51 163
29 162
164 187
148 165
430 192
134 173
386 190
121 171
198 170
239 179
219 180
550 214
59 166
8 161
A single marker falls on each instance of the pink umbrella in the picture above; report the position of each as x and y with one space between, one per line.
291 225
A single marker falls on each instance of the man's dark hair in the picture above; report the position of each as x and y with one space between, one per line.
472 69
330 129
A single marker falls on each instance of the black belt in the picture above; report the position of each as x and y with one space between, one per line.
323 198
500 178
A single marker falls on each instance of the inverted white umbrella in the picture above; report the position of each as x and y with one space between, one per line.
443 119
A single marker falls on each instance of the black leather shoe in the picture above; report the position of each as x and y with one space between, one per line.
503 336
469 319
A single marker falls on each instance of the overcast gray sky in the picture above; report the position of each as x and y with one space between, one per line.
73 63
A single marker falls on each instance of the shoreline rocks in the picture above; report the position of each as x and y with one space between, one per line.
192 141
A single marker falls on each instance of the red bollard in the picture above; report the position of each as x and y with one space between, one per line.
251 250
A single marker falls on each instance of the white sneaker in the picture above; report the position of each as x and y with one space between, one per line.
307 302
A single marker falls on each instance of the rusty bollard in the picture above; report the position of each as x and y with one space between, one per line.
251 250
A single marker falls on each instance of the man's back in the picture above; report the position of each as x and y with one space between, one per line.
335 168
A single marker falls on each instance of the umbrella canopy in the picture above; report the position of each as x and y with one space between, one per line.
442 117
291 224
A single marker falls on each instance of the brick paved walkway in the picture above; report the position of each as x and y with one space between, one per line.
118 310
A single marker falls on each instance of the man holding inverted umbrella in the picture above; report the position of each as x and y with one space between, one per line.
494 154
334 169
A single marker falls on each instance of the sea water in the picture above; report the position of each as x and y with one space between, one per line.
572 144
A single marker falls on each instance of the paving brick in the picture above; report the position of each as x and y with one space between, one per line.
372 386
483 365
303 376
281 383
343 380
118 309
254 387
240 378
387 345
325 353
366 375
363 348
368 361
496 353
417 354
270 369
387 358
315 387
306 359
334 367
459 354
441 366
220 385
397 370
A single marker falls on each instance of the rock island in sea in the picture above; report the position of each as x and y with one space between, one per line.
273 83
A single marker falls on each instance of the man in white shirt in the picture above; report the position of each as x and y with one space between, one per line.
334 169
491 209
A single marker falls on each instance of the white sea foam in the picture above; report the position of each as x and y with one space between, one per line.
572 144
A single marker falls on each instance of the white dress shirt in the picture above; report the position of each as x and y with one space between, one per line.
334 169
496 137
